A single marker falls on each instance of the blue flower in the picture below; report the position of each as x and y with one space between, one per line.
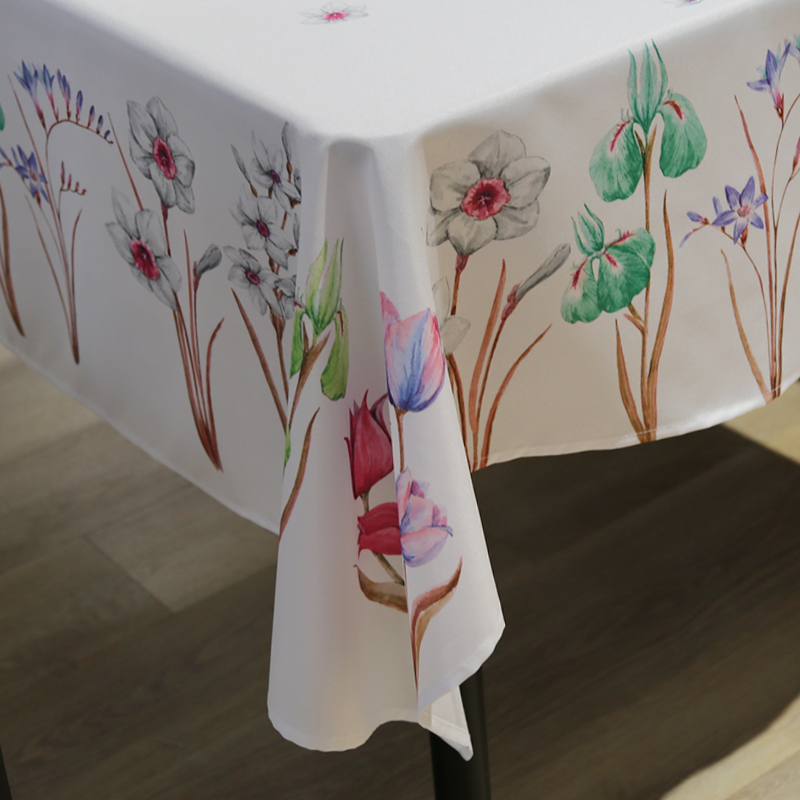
27 168
742 211
29 80
771 74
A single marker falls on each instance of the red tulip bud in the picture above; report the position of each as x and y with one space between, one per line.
369 445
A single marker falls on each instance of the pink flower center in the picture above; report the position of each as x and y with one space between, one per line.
334 16
485 199
262 228
744 211
252 277
275 177
145 260
163 156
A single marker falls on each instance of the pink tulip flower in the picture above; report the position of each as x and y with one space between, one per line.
415 363
423 525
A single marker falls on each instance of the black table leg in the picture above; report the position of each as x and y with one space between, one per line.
5 791
454 778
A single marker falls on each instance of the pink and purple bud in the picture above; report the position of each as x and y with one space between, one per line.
423 525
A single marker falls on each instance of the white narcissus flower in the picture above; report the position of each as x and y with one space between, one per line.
261 219
265 289
269 169
140 240
160 153
492 195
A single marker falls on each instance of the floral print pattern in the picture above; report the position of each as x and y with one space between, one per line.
138 237
491 195
160 154
334 12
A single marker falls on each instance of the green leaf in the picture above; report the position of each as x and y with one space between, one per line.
324 288
287 447
334 376
593 233
2 119
579 303
624 270
297 344
315 277
684 142
646 92
616 164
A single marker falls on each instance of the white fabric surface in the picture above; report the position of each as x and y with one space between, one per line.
388 110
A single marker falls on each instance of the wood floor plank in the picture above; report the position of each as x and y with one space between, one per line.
55 609
83 482
163 693
781 783
34 413
187 548
776 425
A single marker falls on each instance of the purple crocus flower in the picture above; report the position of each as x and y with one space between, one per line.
742 211
771 75
28 78
423 525
47 81
27 168
415 365
66 91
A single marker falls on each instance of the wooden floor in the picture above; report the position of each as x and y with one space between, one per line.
652 597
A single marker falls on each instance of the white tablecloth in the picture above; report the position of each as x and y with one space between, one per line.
324 260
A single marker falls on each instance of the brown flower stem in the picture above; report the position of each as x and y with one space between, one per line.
262 361
647 157
783 304
202 433
758 277
477 372
365 501
309 359
49 260
279 325
191 363
390 570
72 322
7 283
399 414
212 427
455 378
771 262
487 437
489 360
777 216
125 164
164 215
298 480
194 344
461 263
751 360
626 393
663 322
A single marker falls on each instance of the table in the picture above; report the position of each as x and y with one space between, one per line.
542 228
